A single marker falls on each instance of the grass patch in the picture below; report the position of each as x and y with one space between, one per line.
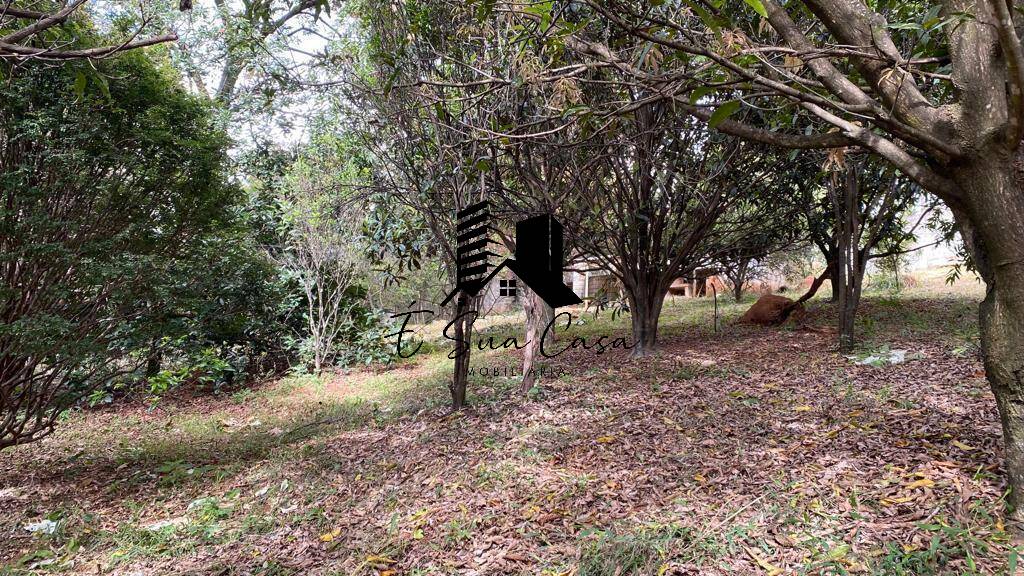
644 551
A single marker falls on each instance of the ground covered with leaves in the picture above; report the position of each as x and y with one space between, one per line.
744 450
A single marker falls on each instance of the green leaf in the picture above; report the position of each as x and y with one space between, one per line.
104 86
539 9
710 21
758 7
577 110
80 84
485 9
699 93
723 112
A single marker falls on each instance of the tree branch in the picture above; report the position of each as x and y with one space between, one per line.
19 13
1014 56
42 24
748 132
16 50
853 23
939 185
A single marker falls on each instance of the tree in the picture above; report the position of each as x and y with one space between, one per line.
935 90
53 33
742 264
856 209
413 134
323 249
663 197
101 188
323 255
220 298
870 204
254 58
538 179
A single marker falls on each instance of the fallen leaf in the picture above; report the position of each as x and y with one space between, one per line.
922 483
328 536
762 562
962 446
784 540
839 552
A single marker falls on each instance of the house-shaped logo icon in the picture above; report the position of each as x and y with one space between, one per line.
538 258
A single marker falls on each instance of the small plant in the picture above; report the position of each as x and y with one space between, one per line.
209 509
637 553
242 396
686 372
949 543
459 531
165 380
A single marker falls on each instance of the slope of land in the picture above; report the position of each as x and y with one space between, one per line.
739 451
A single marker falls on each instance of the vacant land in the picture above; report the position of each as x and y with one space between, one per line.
739 451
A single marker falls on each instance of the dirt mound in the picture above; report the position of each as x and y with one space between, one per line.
770 309
909 281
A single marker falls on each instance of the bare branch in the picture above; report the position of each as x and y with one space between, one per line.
9 12
940 185
42 24
18 51
753 133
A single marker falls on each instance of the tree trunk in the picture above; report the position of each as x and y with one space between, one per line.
739 279
849 273
815 285
842 296
463 333
1002 340
538 316
154 361
993 228
833 264
834 297
645 309
849 301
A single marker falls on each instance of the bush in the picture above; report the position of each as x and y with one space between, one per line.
111 177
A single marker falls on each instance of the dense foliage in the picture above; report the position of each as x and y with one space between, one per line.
119 233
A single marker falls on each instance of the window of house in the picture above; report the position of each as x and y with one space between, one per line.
507 287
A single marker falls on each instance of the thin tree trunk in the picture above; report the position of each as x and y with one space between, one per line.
848 303
464 317
848 272
839 289
833 265
834 297
815 285
154 361
740 279
538 316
